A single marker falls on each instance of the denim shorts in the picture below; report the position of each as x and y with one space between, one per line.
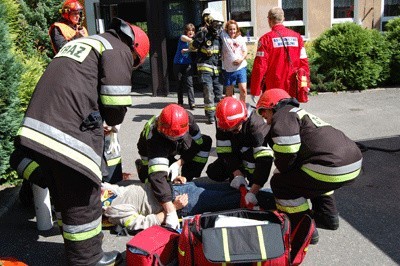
236 77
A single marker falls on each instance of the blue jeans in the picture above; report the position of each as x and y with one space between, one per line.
208 197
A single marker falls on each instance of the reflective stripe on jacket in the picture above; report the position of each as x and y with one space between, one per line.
300 139
69 91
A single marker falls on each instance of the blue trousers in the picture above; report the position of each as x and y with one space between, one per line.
207 197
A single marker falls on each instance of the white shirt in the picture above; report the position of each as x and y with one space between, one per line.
232 49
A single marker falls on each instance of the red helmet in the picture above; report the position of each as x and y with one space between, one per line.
70 5
141 44
230 113
270 98
140 41
173 121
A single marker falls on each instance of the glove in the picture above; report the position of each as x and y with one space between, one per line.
254 98
114 146
172 220
173 170
238 181
250 198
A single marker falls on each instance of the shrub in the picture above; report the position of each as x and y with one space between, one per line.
10 117
349 57
393 36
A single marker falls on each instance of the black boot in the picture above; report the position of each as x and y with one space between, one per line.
314 237
110 258
324 212
26 194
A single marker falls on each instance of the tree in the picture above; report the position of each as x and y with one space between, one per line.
10 117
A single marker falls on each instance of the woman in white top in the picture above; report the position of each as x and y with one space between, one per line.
234 52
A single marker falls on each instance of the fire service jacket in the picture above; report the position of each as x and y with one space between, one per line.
88 81
271 68
156 150
246 149
208 47
302 140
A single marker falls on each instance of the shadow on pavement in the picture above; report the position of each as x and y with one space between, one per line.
371 204
20 239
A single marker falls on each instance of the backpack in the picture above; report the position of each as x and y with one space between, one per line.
269 243
156 245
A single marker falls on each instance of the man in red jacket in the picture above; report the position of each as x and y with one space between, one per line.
280 52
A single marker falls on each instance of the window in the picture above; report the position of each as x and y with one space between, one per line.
391 9
241 10
294 15
343 9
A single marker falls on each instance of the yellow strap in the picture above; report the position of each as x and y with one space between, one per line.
261 243
225 244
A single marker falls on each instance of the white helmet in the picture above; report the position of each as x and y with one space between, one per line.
207 11
216 16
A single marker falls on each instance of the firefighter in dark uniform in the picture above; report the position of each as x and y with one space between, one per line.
173 132
69 27
88 81
207 42
241 153
28 170
311 157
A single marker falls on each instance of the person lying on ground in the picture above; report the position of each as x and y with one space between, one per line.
135 206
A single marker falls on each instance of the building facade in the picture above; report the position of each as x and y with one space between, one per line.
164 20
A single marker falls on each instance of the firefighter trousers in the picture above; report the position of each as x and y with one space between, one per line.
77 198
212 92
297 184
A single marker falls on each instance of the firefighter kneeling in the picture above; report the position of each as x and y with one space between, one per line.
241 152
312 160
173 132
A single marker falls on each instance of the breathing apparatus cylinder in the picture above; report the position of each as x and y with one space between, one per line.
41 197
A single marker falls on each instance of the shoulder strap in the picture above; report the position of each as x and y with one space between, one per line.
284 46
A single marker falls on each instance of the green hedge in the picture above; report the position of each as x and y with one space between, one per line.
10 72
349 57
393 36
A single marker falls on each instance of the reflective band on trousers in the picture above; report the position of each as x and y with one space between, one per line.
209 108
62 143
292 205
82 232
26 167
333 174
158 164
